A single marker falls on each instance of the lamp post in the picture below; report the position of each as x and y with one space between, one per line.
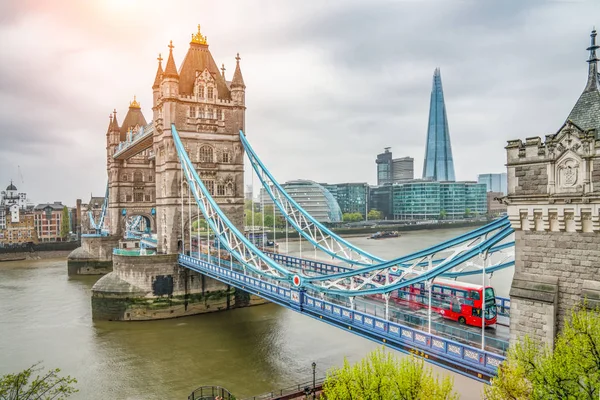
314 366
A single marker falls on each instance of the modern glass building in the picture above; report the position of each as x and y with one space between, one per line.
312 197
384 167
431 200
380 199
351 197
494 182
403 169
438 165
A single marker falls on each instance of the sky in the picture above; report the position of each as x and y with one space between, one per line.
328 84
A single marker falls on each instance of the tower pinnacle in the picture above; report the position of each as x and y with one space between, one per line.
171 69
159 73
198 38
237 79
592 83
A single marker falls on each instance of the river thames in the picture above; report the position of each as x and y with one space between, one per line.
46 316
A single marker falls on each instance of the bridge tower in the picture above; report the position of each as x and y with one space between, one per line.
130 181
554 206
208 111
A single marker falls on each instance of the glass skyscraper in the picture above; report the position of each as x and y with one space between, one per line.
438 165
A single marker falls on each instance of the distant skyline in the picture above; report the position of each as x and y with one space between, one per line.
329 85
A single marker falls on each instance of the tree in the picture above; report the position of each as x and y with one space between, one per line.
64 225
352 217
381 376
375 214
467 212
570 371
443 214
45 387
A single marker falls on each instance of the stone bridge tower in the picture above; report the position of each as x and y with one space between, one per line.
131 180
554 206
208 112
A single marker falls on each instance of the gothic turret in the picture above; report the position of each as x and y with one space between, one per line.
134 119
156 85
586 113
238 88
113 134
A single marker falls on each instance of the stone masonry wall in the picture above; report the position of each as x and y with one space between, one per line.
531 179
532 318
572 257
596 175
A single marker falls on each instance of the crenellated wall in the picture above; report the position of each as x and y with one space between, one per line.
553 204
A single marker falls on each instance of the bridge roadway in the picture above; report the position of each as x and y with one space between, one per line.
460 357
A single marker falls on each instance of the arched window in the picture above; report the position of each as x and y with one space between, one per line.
206 154
210 93
229 189
124 177
137 177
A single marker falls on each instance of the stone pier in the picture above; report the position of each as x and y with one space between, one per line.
94 257
155 287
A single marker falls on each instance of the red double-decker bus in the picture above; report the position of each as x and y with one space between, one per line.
457 301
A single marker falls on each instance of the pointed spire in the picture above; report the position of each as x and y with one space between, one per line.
114 123
592 83
171 69
159 73
237 75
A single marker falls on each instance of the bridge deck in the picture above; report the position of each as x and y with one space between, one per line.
459 357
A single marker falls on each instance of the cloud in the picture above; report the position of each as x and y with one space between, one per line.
329 84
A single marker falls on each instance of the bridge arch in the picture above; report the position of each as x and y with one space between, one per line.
148 224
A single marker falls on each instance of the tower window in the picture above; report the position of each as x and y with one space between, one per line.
138 197
201 91
210 185
206 154
225 157
220 190
210 92
124 177
192 112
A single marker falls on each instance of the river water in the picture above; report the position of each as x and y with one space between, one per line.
45 316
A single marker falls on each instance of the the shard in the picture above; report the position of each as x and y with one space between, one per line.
439 165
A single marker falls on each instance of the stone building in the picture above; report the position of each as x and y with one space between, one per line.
554 206
19 231
93 206
495 205
208 111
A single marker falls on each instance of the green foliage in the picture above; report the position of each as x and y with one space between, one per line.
467 212
352 217
381 376
443 214
375 214
248 205
64 225
47 386
571 371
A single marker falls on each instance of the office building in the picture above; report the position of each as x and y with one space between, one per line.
312 197
393 170
433 200
403 169
438 165
351 197
494 182
384 167
380 199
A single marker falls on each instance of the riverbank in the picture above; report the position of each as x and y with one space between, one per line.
35 255
358 232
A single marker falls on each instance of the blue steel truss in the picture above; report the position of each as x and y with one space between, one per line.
452 256
327 241
311 290
99 226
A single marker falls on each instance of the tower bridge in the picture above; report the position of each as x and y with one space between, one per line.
187 164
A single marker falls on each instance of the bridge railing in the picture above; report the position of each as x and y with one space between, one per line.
298 389
455 355
211 393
